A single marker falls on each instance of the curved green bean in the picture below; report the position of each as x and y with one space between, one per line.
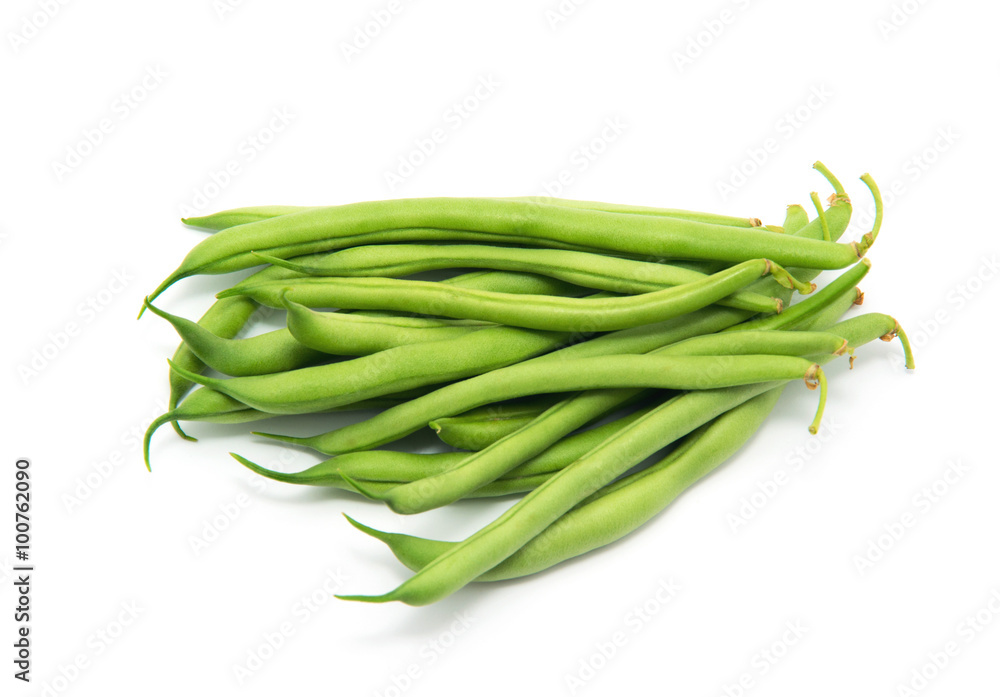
272 352
533 312
581 268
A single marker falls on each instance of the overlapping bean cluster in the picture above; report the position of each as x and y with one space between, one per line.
589 337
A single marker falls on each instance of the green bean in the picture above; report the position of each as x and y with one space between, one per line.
409 220
533 312
357 335
486 465
522 379
273 352
582 268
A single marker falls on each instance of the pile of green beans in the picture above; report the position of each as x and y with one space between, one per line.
560 346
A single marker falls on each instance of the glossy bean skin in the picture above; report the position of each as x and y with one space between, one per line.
618 508
532 312
342 334
523 379
336 227
596 271
486 465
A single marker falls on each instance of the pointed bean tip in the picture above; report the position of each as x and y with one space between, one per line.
365 598
372 532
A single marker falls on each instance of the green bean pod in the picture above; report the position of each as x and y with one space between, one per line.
533 312
272 352
581 268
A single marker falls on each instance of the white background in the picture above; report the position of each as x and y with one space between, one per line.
894 78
